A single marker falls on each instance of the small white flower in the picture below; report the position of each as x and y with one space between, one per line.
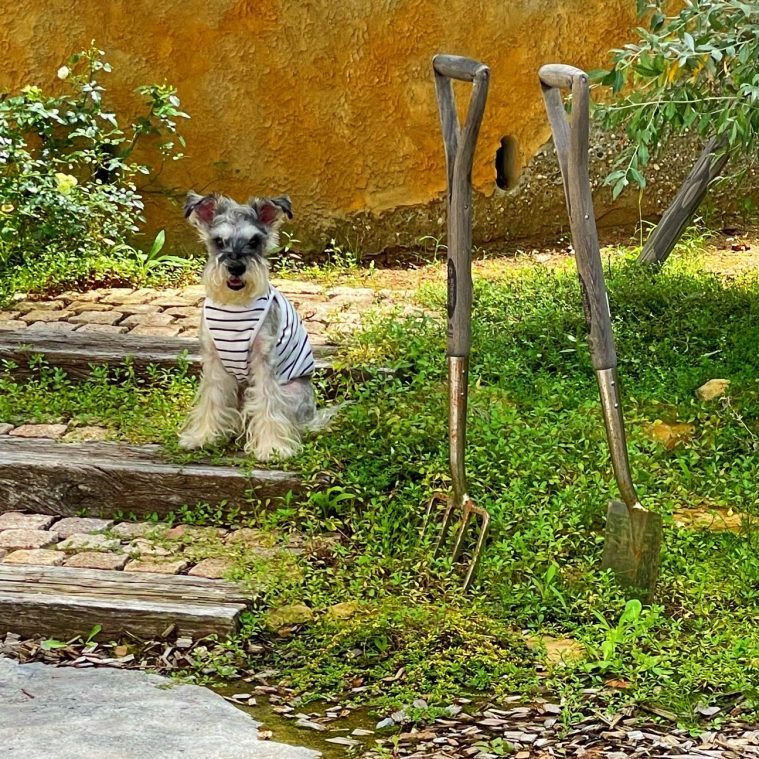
63 72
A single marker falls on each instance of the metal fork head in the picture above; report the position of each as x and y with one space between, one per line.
469 514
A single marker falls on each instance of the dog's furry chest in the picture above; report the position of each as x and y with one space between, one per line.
239 333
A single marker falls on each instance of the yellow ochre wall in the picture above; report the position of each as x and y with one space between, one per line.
330 101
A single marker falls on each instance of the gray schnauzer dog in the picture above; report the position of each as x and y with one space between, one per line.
257 358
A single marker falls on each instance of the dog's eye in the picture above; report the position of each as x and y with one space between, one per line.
218 242
255 241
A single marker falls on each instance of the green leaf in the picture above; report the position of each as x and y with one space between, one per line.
158 244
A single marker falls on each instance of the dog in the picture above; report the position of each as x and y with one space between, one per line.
256 354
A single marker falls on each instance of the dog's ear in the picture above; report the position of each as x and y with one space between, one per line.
271 210
199 209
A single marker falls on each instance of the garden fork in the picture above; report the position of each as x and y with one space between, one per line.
459 155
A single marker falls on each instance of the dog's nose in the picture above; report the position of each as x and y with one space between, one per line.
236 268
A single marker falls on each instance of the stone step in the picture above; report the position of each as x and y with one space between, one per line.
111 479
76 352
62 602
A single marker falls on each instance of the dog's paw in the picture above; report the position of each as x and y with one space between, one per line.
265 453
190 442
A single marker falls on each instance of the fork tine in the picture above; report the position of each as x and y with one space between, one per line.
444 527
477 553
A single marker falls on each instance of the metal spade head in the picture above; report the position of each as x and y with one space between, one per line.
632 545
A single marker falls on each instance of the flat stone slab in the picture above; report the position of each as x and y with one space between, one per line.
73 525
70 713
27 539
36 557
16 520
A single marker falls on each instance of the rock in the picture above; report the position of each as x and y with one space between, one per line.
137 308
184 312
288 616
709 518
40 556
214 569
77 306
250 537
72 713
669 435
383 723
72 525
559 651
130 530
118 296
5 428
45 316
96 317
52 327
714 388
24 539
97 560
83 541
155 331
53 431
43 305
102 329
156 565
86 434
12 324
15 520
2 553
344 610
188 533
148 320
143 547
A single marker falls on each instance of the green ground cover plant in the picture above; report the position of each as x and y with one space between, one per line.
538 461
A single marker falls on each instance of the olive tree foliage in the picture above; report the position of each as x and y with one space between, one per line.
694 70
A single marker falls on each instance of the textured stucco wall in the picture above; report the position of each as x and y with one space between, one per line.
329 101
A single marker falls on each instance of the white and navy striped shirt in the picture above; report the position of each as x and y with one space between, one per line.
234 328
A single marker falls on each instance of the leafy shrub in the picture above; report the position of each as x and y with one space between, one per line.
691 69
69 204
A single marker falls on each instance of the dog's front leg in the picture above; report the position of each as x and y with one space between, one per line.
214 415
268 415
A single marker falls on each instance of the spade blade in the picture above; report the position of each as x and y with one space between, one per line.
632 545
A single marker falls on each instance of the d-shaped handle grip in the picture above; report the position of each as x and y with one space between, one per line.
459 155
571 140
458 67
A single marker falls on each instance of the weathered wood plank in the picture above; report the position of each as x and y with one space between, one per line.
124 585
75 352
63 601
108 479
64 616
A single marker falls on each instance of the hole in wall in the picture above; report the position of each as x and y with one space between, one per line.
506 164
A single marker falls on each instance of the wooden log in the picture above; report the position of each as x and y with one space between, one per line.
64 616
76 352
62 602
689 197
109 479
109 583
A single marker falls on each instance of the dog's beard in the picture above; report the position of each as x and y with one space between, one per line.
217 279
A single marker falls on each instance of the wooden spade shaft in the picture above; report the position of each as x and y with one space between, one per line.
633 535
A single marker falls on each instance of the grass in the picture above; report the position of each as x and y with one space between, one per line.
537 459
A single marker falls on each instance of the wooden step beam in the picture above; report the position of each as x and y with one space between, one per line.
108 479
62 602
77 352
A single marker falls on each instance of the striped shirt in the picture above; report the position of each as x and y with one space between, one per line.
234 328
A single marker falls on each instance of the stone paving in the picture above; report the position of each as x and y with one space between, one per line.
89 543
70 713
176 313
